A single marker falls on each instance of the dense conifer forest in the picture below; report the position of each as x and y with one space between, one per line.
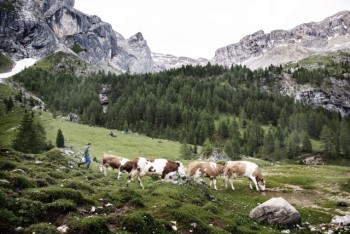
212 106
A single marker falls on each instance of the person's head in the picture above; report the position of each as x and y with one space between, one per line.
89 144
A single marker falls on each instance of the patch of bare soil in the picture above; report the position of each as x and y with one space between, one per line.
298 196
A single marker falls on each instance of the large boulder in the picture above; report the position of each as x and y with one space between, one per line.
342 220
276 211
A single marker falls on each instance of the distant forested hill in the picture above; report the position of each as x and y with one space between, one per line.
225 108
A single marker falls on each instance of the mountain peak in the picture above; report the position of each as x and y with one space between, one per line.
282 46
137 37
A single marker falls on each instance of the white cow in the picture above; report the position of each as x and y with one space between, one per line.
234 169
205 169
162 167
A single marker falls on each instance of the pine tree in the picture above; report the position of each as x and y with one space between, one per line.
306 144
269 143
30 137
207 147
328 141
9 104
59 139
185 151
344 138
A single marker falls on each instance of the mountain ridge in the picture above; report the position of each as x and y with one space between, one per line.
283 46
36 29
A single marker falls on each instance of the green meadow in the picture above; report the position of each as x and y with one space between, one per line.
129 145
40 192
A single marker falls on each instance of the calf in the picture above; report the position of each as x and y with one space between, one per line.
115 162
206 169
233 169
162 167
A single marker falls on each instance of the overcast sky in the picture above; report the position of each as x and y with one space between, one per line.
196 28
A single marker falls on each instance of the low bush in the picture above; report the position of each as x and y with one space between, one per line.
89 225
20 182
141 222
78 185
190 221
6 165
62 206
8 220
50 194
41 228
345 185
29 211
44 178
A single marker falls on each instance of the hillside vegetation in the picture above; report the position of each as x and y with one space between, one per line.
211 110
186 105
42 192
5 64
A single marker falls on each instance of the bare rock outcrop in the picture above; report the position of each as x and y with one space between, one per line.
282 46
276 211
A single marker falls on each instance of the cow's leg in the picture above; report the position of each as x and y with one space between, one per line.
226 180
140 182
211 182
214 181
252 178
131 175
105 169
233 188
119 174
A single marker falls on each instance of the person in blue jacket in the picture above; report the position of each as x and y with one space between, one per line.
86 156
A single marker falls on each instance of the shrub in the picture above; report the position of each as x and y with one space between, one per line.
59 139
29 211
79 186
89 225
62 206
42 228
43 178
7 165
8 221
141 222
187 219
345 185
128 195
50 194
77 48
41 183
56 156
20 182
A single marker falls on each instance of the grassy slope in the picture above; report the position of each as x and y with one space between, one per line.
64 193
317 192
8 121
126 145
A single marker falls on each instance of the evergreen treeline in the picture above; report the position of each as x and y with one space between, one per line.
187 104
319 75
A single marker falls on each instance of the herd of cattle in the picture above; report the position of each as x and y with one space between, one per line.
141 166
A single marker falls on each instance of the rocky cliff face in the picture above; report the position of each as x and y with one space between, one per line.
333 95
282 46
37 28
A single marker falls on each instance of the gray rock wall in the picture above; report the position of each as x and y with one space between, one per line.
281 46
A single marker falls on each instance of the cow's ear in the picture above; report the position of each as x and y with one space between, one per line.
178 163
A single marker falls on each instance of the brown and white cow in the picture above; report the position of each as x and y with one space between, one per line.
115 162
206 169
162 167
234 169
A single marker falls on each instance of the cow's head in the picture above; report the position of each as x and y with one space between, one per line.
261 183
181 169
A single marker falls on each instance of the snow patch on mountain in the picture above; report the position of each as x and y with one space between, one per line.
19 66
